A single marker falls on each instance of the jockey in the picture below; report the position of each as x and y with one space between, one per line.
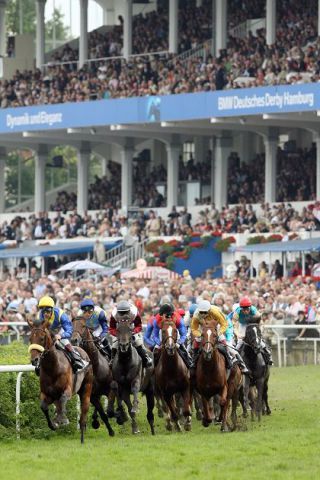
96 320
148 336
124 311
187 321
244 314
204 313
61 326
167 312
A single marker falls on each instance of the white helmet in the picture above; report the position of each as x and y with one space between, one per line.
204 306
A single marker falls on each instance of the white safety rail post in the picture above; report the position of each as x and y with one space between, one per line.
280 338
14 326
20 369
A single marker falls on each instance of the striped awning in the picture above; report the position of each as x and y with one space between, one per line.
151 272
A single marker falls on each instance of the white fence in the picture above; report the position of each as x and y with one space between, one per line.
20 369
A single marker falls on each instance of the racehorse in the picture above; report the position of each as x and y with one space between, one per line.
251 352
172 377
102 376
57 381
211 378
130 377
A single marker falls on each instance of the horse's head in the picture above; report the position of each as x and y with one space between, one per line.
124 334
209 339
79 327
169 335
40 340
253 337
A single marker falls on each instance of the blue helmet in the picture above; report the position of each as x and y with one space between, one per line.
87 302
192 309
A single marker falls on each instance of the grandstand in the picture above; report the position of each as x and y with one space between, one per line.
188 135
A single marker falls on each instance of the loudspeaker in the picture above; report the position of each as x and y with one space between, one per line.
57 161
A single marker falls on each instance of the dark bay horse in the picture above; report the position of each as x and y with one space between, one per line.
251 352
57 381
130 378
102 375
211 379
173 377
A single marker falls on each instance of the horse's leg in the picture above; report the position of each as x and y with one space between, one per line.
197 405
95 419
260 387
186 397
169 399
135 389
127 400
85 395
159 406
206 416
95 400
61 409
44 404
224 403
150 406
120 414
265 397
246 386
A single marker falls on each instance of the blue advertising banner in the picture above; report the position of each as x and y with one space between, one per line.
191 106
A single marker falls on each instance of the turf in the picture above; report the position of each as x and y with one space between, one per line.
282 446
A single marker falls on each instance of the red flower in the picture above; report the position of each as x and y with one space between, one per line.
195 244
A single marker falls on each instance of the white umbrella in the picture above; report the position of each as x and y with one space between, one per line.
81 265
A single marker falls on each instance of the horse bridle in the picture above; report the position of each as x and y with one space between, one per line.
38 347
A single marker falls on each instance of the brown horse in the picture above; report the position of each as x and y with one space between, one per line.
102 376
211 378
173 377
57 381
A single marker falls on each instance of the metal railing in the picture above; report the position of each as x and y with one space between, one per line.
202 50
113 252
129 257
281 340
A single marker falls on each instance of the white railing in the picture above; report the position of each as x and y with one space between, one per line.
202 50
282 351
20 369
129 257
14 326
113 252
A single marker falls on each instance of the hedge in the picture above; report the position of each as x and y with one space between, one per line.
32 420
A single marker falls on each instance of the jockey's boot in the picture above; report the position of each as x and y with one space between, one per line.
113 354
228 358
77 362
185 356
105 348
146 360
267 355
195 354
242 365
156 355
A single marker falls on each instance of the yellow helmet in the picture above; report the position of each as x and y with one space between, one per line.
46 302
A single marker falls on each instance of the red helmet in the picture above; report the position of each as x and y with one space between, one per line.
181 312
245 302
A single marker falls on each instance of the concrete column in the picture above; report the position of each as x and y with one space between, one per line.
317 141
127 29
271 146
212 146
3 157
40 179
108 16
83 39
40 35
83 177
223 148
198 3
3 38
127 154
199 149
173 152
318 18
173 26
271 21
220 19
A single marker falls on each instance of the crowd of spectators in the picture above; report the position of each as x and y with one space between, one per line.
296 181
246 62
281 219
292 300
